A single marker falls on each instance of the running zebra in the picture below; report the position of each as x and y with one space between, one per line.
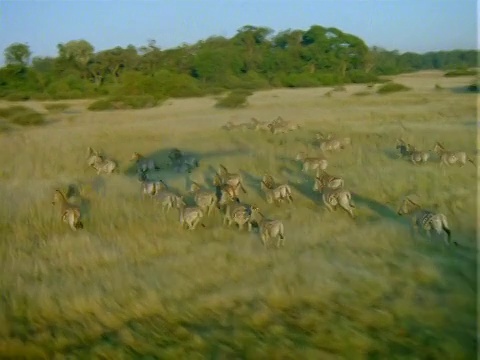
269 228
143 164
334 197
190 216
99 163
205 200
324 180
451 157
225 192
418 156
70 213
311 162
239 214
168 200
276 194
233 179
425 219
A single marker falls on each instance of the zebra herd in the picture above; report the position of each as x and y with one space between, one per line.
225 194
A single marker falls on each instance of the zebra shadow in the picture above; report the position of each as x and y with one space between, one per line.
393 154
382 210
74 195
253 182
302 186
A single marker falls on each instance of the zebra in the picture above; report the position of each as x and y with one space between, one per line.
225 193
259 125
451 157
206 200
239 214
269 228
143 164
334 197
277 194
235 180
168 199
99 163
190 216
325 180
151 187
311 162
331 143
277 129
418 156
425 219
71 213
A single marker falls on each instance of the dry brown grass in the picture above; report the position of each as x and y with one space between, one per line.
133 284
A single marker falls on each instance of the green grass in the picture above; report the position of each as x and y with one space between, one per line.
132 284
22 115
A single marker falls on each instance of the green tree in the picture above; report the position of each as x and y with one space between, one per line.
17 54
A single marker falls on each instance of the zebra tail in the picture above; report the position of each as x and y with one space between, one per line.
470 160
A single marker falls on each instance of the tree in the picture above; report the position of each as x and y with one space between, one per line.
77 52
17 54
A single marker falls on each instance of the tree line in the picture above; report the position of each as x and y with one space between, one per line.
254 58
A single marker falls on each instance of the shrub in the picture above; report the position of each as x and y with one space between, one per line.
362 93
473 87
56 107
235 99
460 72
17 96
392 87
124 102
22 115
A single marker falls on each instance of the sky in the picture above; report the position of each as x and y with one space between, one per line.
403 25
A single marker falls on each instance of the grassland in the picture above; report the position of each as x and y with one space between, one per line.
132 284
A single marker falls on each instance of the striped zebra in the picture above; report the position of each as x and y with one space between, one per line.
143 164
168 200
71 213
418 156
324 180
239 214
150 187
425 219
269 228
233 179
277 194
451 157
338 197
313 163
205 200
190 216
100 163
259 125
225 192
332 143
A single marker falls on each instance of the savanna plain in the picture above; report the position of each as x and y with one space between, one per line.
133 284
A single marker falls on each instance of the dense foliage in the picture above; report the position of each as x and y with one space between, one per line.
252 59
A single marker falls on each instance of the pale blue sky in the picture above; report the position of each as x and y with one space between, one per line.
404 25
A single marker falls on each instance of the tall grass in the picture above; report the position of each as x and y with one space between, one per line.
133 284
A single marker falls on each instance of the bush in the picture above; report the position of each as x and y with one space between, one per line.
17 96
460 72
235 99
473 87
300 80
22 115
56 107
124 102
392 87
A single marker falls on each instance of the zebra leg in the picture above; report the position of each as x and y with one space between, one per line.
329 207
